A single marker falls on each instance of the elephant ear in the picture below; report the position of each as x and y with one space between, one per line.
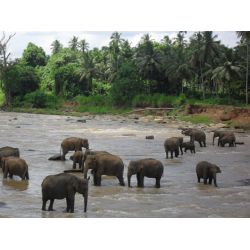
206 171
76 185
140 168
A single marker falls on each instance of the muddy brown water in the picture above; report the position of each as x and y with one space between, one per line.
39 137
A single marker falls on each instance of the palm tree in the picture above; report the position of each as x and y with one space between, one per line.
166 40
73 43
229 71
178 66
56 46
148 60
245 36
83 45
116 41
87 69
179 41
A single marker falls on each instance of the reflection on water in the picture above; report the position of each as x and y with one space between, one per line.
180 196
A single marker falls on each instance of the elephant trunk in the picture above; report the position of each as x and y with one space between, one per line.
85 201
214 178
129 177
85 171
213 139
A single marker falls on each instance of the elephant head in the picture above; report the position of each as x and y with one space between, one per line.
211 171
83 143
90 163
133 168
81 186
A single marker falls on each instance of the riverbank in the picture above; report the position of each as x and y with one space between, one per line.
209 117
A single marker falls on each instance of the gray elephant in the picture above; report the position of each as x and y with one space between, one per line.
13 165
77 157
188 146
149 167
221 134
196 135
62 186
73 144
104 164
228 139
206 171
172 144
8 151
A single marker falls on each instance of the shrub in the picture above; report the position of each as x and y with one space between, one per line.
37 99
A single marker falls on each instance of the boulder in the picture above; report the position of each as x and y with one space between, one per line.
149 137
57 157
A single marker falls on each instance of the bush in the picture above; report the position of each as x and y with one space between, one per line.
38 99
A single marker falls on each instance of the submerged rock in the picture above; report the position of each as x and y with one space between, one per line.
128 135
150 137
57 157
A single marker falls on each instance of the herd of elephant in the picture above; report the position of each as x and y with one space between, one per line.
65 185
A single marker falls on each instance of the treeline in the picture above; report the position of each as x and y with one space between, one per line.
200 68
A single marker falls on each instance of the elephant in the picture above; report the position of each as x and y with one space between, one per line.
62 186
228 139
15 166
221 134
91 152
8 151
172 144
77 157
73 143
207 170
188 146
196 135
149 167
104 164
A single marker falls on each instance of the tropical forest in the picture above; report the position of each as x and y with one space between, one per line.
117 77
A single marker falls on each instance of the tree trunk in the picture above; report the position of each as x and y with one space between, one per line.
229 101
203 89
247 75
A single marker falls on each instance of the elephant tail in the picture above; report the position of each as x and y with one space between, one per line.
26 170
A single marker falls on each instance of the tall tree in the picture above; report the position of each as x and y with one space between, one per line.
245 36
229 71
87 69
116 40
148 60
56 46
73 43
83 45
4 65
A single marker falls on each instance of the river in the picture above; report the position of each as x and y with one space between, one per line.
39 137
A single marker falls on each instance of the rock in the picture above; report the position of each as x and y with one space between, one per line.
149 137
18 127
128 135
83 121
14 118
29 150
55 158
237 142
240 127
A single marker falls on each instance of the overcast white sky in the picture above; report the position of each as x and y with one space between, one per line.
98 39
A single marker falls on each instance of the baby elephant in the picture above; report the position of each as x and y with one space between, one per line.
149 167
15 166
77 157
188 146
207 170
228 139
62 186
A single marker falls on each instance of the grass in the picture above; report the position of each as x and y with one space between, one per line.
197 119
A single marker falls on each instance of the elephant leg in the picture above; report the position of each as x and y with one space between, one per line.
199 179
11 175
95 179
27 175
172 154
215 183
98 180
44 204
166 154
142 180
204 143
51 205
121 180
185 150
205 181
72 205
138 179
80 165
74 165
64 154
68 204
176 153
200 144
157 182
210 180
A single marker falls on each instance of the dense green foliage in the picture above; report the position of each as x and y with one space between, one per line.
169 72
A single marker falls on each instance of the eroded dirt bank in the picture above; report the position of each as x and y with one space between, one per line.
220 113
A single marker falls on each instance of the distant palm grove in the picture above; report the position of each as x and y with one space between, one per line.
201 68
